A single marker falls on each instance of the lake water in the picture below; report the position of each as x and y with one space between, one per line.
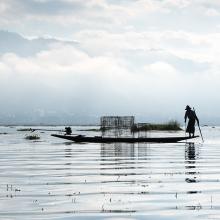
56 179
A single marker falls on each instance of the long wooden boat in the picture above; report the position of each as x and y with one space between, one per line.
100 139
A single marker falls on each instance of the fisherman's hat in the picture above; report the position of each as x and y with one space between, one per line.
187 107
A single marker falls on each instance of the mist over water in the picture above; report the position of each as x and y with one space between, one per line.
56 179
51 81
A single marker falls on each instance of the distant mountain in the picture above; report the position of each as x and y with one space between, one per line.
48 119
11 42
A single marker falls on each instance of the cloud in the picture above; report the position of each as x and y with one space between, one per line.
135 57
65 78
212 12
64 18
186 51
116 76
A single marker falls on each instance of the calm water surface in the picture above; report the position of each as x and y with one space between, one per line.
56 179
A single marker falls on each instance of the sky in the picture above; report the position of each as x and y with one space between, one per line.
148 58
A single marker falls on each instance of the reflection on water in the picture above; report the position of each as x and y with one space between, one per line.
190 164
190 154
117 151
68 152
190 157
54 179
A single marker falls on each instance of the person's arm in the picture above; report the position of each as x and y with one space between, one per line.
197 119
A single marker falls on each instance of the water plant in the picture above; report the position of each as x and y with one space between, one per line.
169 126
32 137
24 129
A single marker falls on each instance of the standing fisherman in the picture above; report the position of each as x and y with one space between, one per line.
191 115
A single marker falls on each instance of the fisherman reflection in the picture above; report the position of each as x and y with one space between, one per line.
190 155
68 152
190 162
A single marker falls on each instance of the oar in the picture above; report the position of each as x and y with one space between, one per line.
200 132
199 127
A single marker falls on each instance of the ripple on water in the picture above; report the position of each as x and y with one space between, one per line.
55 180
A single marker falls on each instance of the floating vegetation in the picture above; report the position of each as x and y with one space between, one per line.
169 126
91 129
25 129
11 191
32 137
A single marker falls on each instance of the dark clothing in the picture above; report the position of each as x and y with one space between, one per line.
191 115
68 130
191 126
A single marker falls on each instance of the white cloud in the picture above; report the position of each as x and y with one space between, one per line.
161 70
198 48
65 18
3 7
128 51
212 12
176 3
98 84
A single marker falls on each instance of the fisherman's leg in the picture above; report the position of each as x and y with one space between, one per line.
193 131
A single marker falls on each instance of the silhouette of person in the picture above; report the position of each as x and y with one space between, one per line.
68 130
191 115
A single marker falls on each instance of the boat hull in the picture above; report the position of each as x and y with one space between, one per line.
99 139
